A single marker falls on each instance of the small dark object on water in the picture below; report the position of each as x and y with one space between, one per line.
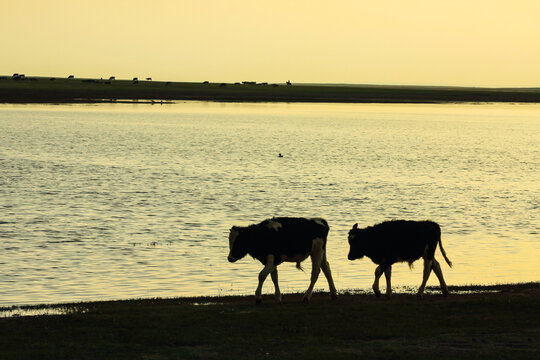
280 155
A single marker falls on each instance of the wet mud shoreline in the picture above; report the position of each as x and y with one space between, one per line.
498 321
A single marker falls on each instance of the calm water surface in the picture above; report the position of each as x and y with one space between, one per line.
124 201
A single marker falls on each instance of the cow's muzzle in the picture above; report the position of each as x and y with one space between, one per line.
231 259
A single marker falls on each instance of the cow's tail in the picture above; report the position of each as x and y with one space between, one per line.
444 253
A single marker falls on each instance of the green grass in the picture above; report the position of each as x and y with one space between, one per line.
502 325
42 89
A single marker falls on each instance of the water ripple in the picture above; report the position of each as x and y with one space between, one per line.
115 204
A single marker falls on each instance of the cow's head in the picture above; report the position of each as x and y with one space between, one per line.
237 245
356 243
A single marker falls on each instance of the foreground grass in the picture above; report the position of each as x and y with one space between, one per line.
491 325
62 90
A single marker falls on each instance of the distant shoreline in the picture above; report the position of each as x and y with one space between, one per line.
77 90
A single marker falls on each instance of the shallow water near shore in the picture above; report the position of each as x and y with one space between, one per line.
130 201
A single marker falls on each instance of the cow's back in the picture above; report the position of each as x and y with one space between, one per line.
404 240
296 235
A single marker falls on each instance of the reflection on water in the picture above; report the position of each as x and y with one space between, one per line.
33 311
206 303
123 201
413 290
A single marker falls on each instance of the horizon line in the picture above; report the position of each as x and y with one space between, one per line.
344 84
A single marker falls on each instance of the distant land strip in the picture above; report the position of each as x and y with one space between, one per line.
21 89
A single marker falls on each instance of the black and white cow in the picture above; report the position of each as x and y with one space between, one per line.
397 241
276 240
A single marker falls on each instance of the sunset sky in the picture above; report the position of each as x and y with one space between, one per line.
425 42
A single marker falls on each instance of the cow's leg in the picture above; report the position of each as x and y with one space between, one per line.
378 273
437 270
325 266
316 259
388 275
268 268
427 271
274 276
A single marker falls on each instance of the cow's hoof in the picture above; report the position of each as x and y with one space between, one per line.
334 297
445 293
279 300
377 293
305 300
258 301
419 296
388 296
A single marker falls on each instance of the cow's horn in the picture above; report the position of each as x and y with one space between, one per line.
355 226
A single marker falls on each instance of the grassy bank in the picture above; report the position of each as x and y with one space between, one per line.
503 323
62 90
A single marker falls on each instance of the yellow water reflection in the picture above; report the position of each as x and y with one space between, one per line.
120 201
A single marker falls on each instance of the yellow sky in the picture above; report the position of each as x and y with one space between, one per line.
429 42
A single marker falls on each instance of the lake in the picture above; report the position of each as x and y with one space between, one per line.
117 201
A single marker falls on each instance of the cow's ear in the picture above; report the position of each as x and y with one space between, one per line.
355 226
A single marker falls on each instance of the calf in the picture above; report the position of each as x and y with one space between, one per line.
276 240
398 241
